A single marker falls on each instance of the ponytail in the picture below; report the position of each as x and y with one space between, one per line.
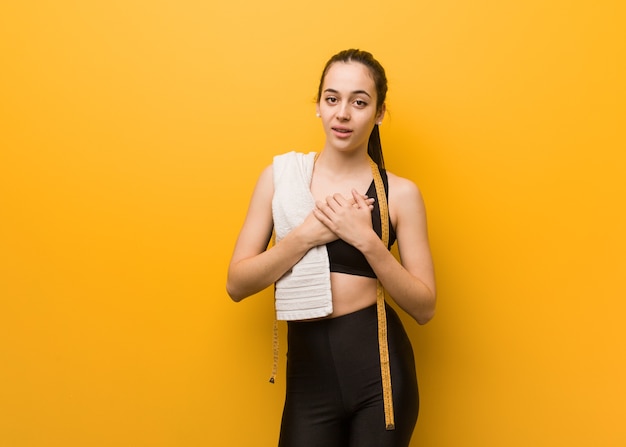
374 148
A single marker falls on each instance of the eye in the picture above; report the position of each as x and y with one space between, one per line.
331 99
360 103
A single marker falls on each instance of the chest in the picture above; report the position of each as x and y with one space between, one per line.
323 186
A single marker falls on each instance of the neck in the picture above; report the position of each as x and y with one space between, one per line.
342 162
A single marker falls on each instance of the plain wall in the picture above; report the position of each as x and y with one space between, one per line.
131 136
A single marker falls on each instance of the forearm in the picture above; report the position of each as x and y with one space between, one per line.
409 291
253 274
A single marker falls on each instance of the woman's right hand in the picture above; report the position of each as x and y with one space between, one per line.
314 232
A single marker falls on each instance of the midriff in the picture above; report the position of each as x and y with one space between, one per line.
351 293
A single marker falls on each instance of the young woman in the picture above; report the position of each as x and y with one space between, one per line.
336 381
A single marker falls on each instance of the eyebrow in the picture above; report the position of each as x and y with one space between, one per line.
356 92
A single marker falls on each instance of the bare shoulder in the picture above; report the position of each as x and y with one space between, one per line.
265 183
403 190
406 205
267 175
259 209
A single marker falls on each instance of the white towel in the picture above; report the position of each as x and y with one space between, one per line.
304 291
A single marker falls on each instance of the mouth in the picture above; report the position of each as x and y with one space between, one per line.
341 132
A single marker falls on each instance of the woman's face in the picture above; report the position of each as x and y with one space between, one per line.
347 106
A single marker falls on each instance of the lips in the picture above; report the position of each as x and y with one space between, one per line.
341 132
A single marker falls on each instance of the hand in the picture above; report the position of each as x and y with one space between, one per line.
315 232
349 219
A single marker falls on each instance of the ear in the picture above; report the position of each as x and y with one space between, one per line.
381 114
317 109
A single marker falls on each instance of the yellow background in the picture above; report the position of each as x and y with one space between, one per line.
131 135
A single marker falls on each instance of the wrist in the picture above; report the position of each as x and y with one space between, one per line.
300 240
368 243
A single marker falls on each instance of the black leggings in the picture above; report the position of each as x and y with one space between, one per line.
334 390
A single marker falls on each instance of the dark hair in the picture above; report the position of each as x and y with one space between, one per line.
374 148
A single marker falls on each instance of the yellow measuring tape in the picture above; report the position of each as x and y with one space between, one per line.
383 346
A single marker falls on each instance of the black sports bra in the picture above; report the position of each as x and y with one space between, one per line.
344 258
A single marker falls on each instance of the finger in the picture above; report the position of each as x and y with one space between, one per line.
369 202
321 216
324 220
322 207
332 202
340 200
361 200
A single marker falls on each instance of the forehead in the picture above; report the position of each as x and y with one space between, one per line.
349 76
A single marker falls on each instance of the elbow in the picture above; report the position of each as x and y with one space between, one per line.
426 313
233 293
233 296
425 317
234 286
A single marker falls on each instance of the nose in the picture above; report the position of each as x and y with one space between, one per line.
343 114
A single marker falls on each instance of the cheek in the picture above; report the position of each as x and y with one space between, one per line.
369 121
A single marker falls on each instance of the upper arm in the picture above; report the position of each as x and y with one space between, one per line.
407 209
257 228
